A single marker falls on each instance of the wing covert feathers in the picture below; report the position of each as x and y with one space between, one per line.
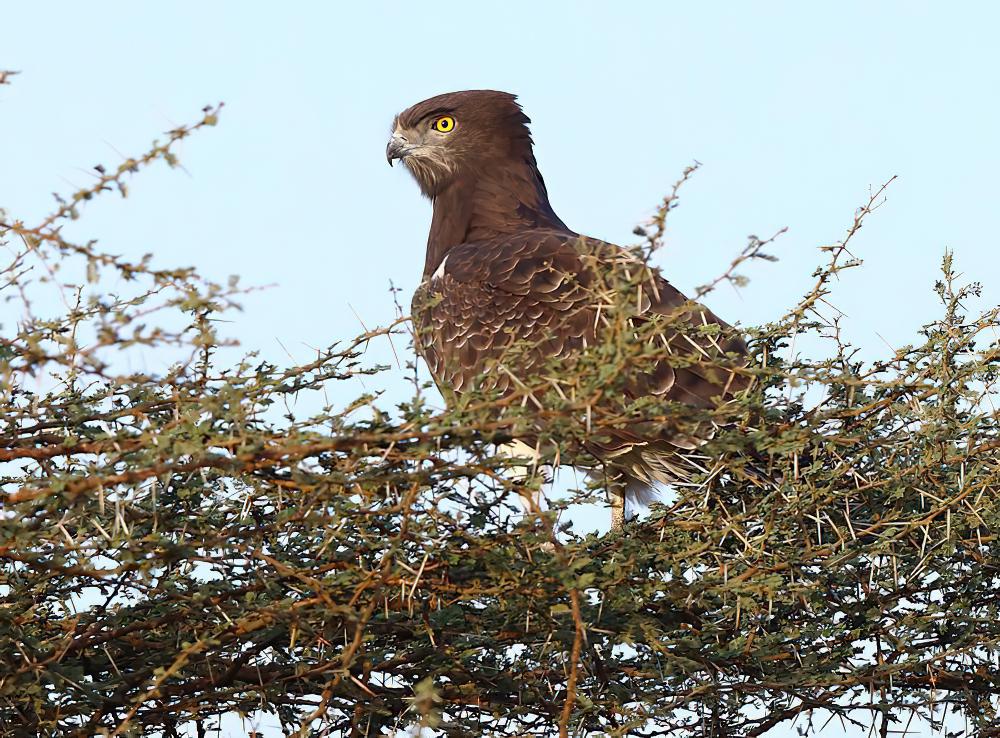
500 309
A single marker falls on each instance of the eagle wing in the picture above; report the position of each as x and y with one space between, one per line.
541 290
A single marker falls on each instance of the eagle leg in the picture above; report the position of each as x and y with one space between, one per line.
616 496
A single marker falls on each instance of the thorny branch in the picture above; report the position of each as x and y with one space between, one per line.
181 546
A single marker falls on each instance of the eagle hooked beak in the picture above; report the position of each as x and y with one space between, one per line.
396 148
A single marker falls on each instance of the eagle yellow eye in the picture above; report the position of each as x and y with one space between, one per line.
444 124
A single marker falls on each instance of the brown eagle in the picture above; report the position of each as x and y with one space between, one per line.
503 269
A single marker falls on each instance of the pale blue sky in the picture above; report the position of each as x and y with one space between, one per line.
795 110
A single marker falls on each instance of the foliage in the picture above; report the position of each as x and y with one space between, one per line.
178 546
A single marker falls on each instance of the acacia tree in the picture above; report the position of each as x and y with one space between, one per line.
177 547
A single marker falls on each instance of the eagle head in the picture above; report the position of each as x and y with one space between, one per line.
458 134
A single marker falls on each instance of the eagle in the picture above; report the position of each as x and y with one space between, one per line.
503 270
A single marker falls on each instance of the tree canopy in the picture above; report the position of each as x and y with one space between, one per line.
181 545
